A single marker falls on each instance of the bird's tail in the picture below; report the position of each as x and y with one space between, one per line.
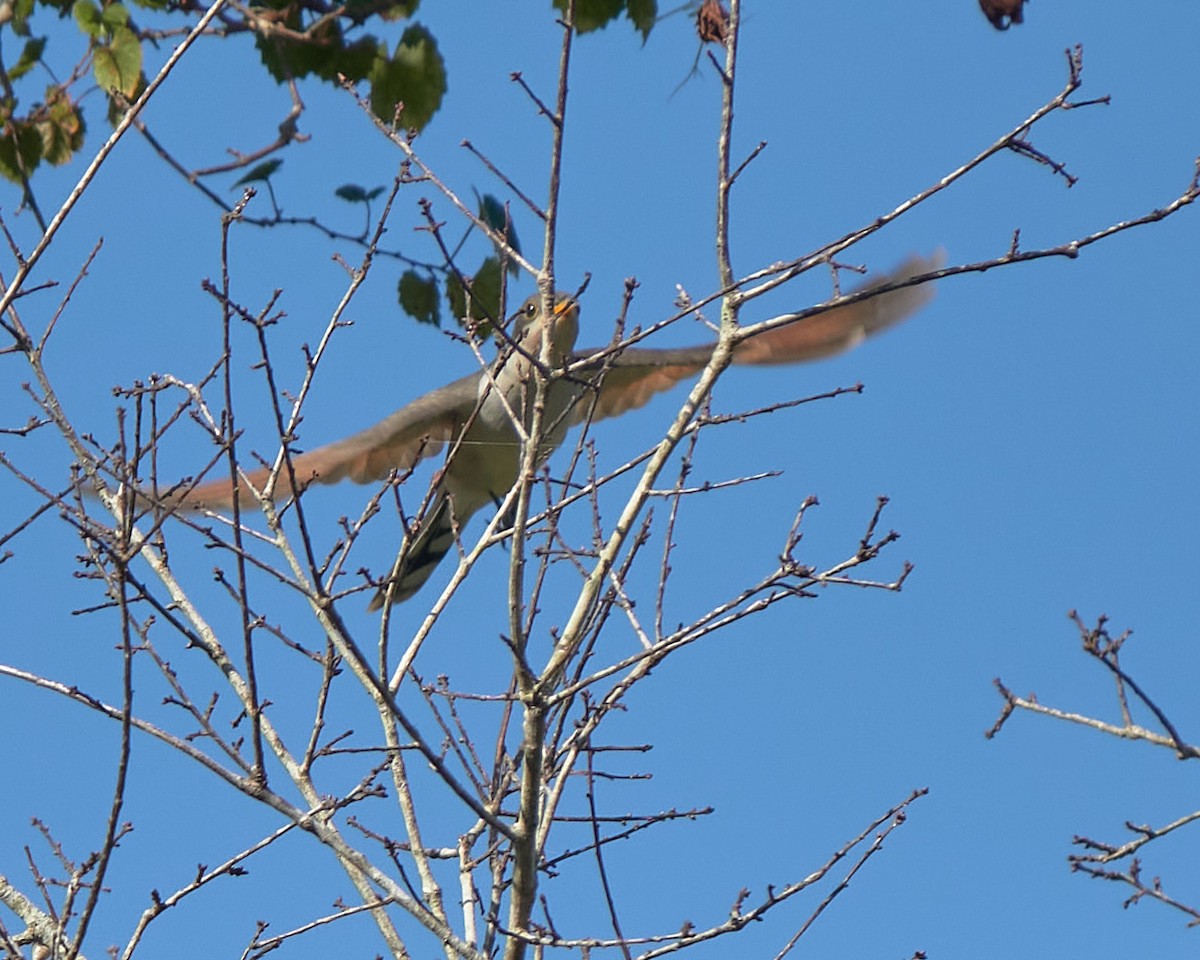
420 554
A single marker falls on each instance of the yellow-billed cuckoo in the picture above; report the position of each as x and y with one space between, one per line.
477 416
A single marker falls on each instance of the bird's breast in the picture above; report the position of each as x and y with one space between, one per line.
488 457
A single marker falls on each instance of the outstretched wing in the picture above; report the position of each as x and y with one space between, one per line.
414 432
424 426
637 374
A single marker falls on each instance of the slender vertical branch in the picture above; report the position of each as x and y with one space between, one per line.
722 356
724 145
113 827
528 828
259 770
558 128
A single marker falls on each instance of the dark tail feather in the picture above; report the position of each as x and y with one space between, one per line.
420 557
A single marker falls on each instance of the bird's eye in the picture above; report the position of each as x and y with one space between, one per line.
531 309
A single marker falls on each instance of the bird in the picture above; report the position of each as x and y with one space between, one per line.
477 416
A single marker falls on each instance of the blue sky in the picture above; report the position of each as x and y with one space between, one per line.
1035 429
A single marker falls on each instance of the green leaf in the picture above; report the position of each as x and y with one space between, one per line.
484 301
324 54
118 65
262 172
87 15
419 297
597 14
20 150
353 61
415 76
62 128
114 17
20 17
493 213
592 14
643 14
319 54
351 193
360 10
31 53
116 110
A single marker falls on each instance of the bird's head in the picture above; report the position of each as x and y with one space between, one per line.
529 326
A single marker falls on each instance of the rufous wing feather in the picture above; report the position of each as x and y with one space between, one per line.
417 430
637 374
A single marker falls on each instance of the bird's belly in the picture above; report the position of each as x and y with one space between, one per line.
485 466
